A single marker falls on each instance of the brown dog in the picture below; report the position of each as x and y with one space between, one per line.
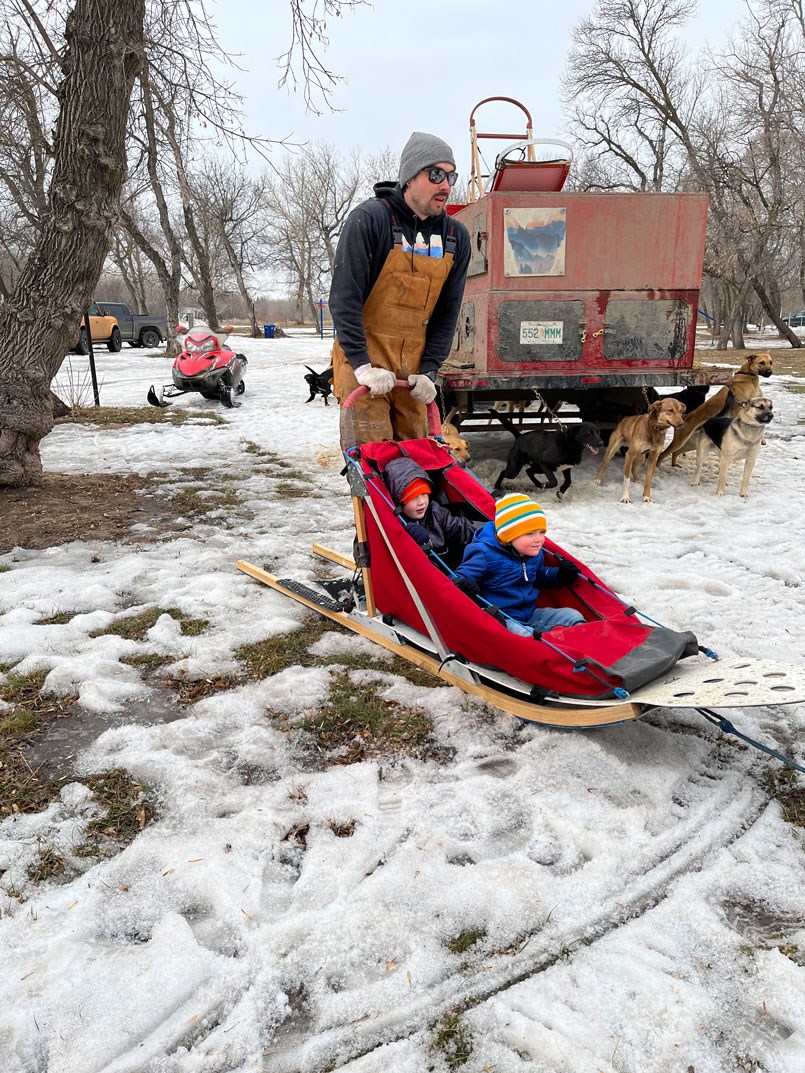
745 385
644 435
459 446
736 439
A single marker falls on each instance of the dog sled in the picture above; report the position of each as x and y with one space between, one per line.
612 668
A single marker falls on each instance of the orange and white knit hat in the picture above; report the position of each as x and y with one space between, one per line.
516 515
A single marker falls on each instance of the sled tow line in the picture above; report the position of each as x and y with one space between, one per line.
727 727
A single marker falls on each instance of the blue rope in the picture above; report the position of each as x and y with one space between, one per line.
578 666
727 727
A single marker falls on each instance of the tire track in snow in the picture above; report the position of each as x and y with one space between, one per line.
722 816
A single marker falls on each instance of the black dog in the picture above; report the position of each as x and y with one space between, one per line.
545 452
319 383
691 397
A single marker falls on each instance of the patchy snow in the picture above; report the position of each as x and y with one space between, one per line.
633 890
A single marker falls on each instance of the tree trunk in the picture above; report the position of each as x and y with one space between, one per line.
170 275
41 318
201 270
771 308
237 268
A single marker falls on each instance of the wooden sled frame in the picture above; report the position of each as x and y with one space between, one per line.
733 683
736 683
604 714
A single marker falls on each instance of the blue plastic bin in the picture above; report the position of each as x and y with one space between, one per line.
268 330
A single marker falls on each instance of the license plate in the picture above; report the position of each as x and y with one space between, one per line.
540 332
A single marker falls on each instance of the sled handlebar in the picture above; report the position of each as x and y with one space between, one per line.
434 418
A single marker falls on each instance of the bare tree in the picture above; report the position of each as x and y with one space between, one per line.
162 245
308 198
103 52
655 124
27 110
231 204
631 89
754 162
308 36
128 259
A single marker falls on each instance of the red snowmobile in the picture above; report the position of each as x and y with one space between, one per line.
205 366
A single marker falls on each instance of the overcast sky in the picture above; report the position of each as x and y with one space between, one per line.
423 65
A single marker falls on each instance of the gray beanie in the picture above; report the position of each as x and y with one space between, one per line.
421 151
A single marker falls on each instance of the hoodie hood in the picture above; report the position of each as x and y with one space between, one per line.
399 473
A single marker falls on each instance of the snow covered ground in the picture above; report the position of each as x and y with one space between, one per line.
636 897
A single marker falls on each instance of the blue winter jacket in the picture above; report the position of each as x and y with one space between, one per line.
506 579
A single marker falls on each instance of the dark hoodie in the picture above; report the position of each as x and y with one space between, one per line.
362 250
446 531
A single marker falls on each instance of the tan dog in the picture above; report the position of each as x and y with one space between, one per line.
736 438
459 447
644 435
745 385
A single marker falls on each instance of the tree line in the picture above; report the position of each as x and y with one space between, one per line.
651 117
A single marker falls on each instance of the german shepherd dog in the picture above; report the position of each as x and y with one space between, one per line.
546 452
319 383
745 384
735 438
644 435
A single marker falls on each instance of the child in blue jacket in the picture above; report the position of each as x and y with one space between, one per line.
504 565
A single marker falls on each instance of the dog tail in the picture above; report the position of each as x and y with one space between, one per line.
311 370
507 424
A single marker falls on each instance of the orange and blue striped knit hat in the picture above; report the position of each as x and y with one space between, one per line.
516 515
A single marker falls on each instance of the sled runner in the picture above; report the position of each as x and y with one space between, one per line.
607 670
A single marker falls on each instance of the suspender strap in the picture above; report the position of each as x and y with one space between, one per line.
450 242
396 230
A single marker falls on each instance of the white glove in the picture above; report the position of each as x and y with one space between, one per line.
379 381
423 388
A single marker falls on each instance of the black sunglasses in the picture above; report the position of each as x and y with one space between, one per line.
438 175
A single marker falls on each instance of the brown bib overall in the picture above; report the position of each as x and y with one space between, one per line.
395 318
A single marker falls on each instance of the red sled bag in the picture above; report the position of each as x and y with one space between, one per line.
610 655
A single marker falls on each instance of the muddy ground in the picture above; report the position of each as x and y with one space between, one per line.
85 507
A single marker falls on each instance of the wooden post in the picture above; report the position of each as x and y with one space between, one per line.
366 572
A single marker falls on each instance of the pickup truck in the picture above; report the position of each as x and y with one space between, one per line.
136 329
104 328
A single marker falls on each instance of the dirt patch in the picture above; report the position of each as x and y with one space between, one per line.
64 508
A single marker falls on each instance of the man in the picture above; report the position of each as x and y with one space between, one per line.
396 293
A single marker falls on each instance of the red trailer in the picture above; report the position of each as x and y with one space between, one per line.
587 298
